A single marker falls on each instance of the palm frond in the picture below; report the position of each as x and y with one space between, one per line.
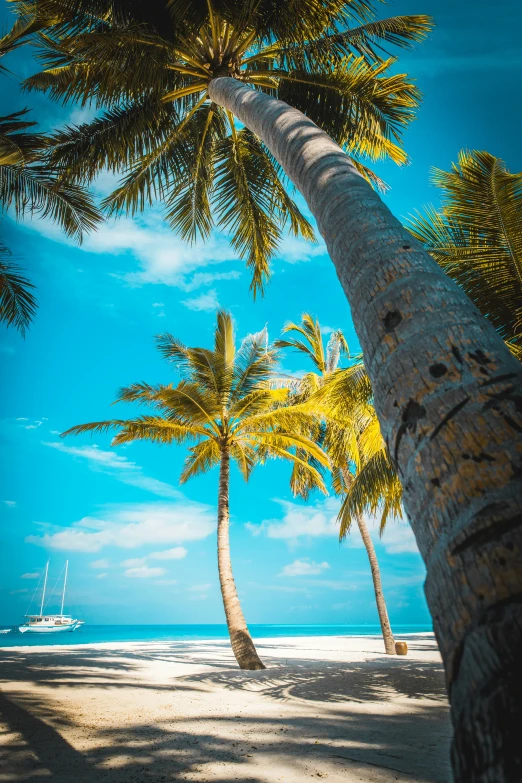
17 303
477 236
375 488
201 458
244 202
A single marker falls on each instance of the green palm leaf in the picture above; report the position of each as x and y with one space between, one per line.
17 303
477 236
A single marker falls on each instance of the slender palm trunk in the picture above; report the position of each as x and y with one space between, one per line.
240 639
448 396
387 635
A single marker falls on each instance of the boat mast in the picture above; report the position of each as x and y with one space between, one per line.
45 585
64 583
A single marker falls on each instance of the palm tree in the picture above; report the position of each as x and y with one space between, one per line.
476 237
225 405
445 385
175 145
326 361
30 184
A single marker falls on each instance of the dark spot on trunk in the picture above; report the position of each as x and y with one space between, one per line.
484 371
392 320
435 482
513 424
479 356
438 370
498 378
453 412
502 561
456 353
493 530
510 395
413 413
483 458
406 247
466 456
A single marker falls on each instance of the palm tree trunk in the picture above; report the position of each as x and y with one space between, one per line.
240 639
387 635
447 393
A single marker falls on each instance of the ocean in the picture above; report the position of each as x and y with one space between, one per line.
94 634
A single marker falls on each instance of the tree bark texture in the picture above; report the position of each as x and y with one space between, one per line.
387 635
242 645
448 394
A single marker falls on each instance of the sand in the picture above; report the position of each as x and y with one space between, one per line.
326 707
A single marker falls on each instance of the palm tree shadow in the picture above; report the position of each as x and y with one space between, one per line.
379 680
164 750
53 752
336 719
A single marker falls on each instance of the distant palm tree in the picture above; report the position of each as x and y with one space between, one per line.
476 237
226 405
343 437
29 183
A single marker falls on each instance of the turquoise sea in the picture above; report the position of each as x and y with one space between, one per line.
93 634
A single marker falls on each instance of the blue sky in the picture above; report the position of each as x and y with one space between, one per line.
140 548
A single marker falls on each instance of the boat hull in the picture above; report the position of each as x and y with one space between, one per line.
48 629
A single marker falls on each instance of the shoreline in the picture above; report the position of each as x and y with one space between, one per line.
134 712
259 641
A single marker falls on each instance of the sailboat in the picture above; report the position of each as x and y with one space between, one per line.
50 623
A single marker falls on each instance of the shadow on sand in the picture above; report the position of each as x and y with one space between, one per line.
318 729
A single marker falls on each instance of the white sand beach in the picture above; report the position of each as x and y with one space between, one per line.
326 707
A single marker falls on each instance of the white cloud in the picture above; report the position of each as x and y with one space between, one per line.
10 503
102 576
205 278
34 426
21 418
199 588
166 582
398 537
158 304
31 575
279 588
300 521
160 256
100 563
320 519
177 553
134 562
129 526
199 592
144 572
118 466
207 301
93 454
304 568
295 250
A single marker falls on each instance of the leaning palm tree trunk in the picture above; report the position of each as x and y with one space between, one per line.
242 644
447 393
387 635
